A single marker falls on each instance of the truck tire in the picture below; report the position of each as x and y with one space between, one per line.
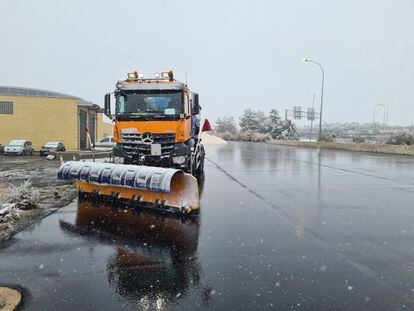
199 171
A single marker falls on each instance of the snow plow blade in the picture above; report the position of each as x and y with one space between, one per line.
165 189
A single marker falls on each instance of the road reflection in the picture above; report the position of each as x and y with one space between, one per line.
154 261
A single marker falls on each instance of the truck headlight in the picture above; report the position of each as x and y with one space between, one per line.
179 159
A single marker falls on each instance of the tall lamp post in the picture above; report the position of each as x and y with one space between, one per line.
383 118
323 82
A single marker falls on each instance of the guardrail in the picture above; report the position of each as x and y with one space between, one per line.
376 148
82 155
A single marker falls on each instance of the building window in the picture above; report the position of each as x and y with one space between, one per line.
6 107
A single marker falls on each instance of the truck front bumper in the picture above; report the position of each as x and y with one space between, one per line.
178 157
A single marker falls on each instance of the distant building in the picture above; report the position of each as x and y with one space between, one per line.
42 116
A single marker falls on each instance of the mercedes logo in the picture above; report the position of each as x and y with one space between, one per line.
147 138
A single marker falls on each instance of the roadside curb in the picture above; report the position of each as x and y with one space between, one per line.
10 299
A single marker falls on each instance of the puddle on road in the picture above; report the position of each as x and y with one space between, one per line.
141 260
153 261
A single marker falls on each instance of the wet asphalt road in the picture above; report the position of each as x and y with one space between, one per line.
281 228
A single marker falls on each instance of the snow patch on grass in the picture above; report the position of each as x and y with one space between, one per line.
24 195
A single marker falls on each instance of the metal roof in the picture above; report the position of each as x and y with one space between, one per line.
90 105
24 91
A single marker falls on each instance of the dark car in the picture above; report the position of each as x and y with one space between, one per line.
51 146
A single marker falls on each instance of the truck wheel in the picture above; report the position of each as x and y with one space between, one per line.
200 168
82 195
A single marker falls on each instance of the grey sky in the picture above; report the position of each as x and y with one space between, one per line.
238 54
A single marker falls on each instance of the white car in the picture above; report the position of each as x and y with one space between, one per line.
19 146
106 144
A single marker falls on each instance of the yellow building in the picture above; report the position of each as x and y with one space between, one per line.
41 116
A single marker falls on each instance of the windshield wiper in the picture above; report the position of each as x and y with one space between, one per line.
156 114
148 115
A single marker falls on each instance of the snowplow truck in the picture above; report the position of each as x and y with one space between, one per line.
158 156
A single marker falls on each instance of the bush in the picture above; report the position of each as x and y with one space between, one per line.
358 139
228 136
25 196
326 138
254 137
402 138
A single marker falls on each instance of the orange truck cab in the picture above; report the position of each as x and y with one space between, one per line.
156 123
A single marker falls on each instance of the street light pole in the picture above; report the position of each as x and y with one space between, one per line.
373 118
388 113
323 82
313 114
385 117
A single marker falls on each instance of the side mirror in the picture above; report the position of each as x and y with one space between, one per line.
107 104
196 106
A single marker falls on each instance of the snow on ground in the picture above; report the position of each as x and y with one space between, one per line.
29 182
208 138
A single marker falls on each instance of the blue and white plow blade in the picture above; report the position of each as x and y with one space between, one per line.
174 187
156 179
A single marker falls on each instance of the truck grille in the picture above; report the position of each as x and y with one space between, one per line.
133 143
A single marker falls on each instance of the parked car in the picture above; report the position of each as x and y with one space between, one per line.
106 144
51 146
19 146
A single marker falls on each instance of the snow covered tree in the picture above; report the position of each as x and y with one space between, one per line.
254 121
274 124
226 124
289 131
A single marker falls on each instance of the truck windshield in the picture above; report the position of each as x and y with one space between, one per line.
150 104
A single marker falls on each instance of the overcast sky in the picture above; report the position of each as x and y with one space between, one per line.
238 54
